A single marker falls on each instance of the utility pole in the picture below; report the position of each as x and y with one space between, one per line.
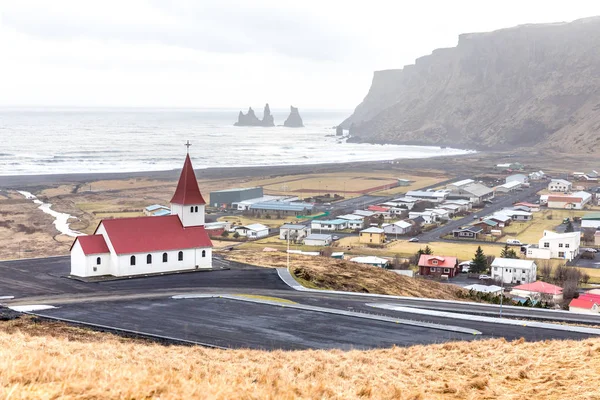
288 250
501 290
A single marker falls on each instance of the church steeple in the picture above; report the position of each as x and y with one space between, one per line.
187 202
187 191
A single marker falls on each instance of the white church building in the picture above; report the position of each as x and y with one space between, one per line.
147 245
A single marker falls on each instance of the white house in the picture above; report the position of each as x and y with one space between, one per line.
465 205
428 216
556 245
372 260
509 187
441 212
456 186
354 221
512 270
149 245
575 201
253 231
433 196
364 213
407 202
293 231
584 306
515 215
560 185
397 228
475 192
538 290
317 239
536 176
493 289
521 178
329 225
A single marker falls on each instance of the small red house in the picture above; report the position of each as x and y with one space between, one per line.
438 265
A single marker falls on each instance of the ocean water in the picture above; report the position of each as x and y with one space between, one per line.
50 141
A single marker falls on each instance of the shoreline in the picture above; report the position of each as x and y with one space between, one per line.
12 182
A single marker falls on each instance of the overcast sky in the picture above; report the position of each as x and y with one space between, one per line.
226 53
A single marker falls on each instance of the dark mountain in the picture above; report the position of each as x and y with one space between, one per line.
531 85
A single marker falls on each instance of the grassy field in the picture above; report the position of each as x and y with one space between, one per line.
51 361
532 231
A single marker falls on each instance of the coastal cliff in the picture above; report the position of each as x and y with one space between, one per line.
294 120
250 118
527 86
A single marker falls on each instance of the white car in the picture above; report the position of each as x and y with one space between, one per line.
514 242
413 240
590 250
484 276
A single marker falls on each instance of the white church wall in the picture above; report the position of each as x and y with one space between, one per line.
83 265
191 258
189 218
114 258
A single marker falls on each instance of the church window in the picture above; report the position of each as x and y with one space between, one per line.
192 209
196 209
149 259
165 257
132 260
203 253
98 261
180 256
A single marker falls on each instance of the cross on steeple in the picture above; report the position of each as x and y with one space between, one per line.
188 144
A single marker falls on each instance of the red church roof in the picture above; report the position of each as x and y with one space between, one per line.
540 287
151 234
187 191
92 244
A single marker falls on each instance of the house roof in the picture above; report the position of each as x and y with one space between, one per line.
564 182
154 207
372 230
187 191
540 287
281 206
92 244
293 226
590 296
378 208
254 227
422 193
582 303
370 260
525 204
447 262
161 213
484 288
351 217
474 229
510 185
488 222
565 198
500 217
512 263
591 216
150 234
477 189
402 224
462 183
363 213
318 236
418 219
338 221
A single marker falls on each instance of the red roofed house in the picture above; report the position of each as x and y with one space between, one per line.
584 306
146 245
438 265
539 290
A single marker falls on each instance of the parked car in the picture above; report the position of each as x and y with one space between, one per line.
413 240
335 237
513 242
484 276
475 216
590 250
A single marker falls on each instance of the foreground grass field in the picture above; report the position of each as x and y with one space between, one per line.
52 361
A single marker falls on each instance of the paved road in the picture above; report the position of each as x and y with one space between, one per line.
237 324
528 194
143 304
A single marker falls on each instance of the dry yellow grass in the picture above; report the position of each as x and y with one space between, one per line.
72 363
333 274
531 232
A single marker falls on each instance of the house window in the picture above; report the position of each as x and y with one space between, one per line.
495 268
196 209
149 259
132 260
546 245
98 261
560 245
203 253
446 270
434 262
561 254
567 245
165 257
180 256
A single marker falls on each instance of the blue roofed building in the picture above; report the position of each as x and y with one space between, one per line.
156 210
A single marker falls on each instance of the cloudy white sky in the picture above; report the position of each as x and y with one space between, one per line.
227 53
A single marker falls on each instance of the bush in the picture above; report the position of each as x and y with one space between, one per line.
225 234
236 235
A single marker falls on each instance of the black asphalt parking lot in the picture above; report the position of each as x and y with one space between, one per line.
241 324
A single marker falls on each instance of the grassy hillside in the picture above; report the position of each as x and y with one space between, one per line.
73 363
329 273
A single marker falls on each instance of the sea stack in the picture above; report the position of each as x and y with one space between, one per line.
250 118
294 120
